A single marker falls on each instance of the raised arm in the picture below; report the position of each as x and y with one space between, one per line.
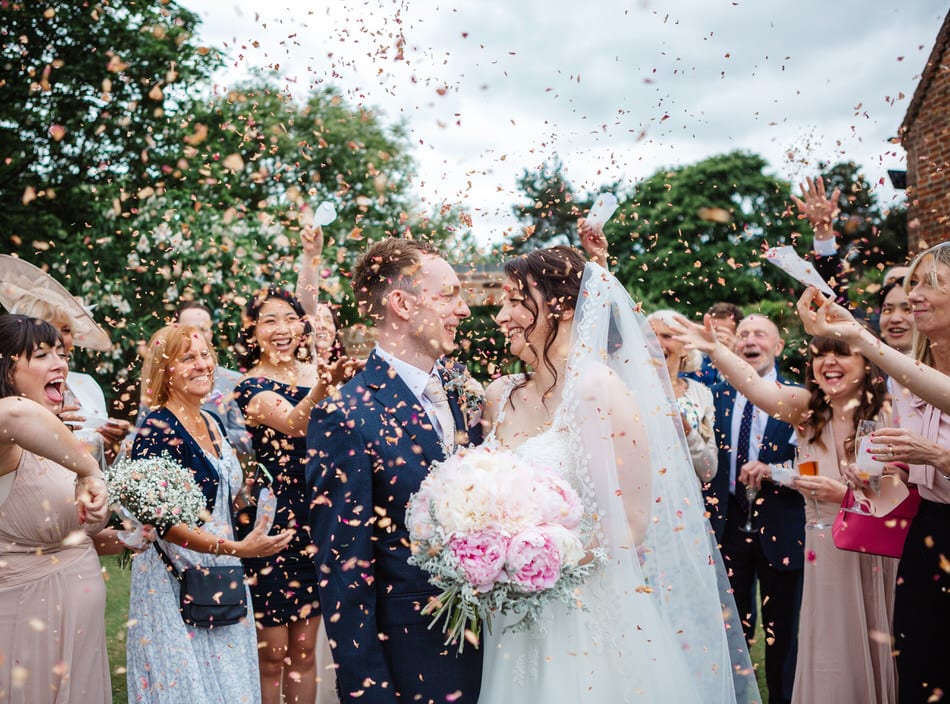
593 242
786 403
26 424
820 211
308 272
273 410
821 316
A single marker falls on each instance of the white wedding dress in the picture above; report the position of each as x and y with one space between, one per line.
616 649
657 622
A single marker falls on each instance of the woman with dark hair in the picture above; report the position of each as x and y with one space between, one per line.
844 644
896 321
594 408
170 661
922 440
52 498
277 394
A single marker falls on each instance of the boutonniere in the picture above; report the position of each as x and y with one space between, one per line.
469 392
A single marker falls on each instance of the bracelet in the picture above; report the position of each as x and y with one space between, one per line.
217 546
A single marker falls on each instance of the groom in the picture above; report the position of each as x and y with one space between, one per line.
370 448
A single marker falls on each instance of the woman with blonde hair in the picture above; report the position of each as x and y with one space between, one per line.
695 400
170 661
922 441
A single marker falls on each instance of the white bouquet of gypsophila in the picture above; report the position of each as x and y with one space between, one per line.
157 491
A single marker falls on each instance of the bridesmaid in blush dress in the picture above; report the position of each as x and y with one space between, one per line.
52 596
844 635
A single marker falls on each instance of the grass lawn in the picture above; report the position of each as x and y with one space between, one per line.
117 616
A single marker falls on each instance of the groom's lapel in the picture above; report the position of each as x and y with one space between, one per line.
399 402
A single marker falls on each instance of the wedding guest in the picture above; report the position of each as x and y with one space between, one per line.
168 660
921 441
52 497
84 408
281 387
724 318
896 321
844 645
221 403
750 443
698 411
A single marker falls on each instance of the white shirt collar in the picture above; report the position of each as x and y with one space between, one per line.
415 378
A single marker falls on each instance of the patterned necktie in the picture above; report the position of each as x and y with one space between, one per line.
435 394
742 452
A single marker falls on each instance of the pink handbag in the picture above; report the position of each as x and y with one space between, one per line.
875 535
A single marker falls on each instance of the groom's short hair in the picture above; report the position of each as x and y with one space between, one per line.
388 264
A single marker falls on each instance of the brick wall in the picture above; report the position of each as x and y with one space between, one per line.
927 141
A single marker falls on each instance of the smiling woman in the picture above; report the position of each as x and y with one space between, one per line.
52 596
844 652
277 394
167 658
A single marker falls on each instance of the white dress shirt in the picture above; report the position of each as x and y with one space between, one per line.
759 420
416 379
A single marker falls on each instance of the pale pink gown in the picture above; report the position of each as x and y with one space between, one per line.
844 631
52 596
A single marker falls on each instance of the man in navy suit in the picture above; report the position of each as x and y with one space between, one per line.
773 554
371 446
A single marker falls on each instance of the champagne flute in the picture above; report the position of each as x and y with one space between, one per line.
750 493
808 467
870 470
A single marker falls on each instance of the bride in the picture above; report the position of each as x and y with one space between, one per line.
656 623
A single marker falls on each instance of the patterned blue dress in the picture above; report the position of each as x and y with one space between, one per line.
170 662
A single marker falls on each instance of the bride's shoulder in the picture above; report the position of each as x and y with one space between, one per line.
595 372
497 391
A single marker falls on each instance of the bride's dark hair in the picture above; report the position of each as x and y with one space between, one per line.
555 274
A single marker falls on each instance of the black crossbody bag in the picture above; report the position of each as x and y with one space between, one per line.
210 597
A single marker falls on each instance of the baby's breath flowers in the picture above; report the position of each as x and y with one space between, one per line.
157 491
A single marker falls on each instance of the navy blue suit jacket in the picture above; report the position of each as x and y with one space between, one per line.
369 451
780 511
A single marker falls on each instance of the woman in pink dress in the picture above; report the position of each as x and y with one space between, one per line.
52 498
844 641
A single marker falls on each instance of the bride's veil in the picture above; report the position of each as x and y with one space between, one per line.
671 543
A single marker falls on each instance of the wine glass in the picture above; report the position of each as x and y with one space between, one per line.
750 493
870 470
861 436
808 467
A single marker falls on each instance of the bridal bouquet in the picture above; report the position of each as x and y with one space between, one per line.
496 533
157 491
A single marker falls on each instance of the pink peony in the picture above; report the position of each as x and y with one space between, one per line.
534 560
557 501
481 556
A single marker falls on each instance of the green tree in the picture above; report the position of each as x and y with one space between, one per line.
693 235
550 209
223 219
87 91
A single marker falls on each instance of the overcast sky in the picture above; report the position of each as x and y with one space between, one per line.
616 89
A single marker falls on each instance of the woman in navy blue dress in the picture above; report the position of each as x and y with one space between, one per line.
276 395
